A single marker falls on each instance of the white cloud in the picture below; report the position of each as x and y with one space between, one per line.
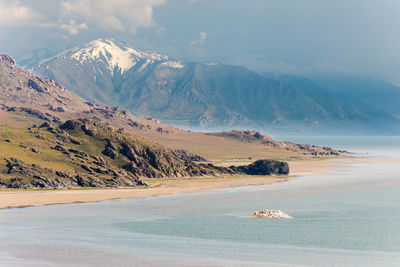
201 40
116 15
72 27
73 16
14 13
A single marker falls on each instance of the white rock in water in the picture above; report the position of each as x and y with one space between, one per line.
275 214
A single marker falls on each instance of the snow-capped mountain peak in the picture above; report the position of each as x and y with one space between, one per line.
114 54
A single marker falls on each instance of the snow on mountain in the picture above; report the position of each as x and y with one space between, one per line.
116 55
113 54
173 64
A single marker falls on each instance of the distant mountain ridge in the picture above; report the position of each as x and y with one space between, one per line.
381 95
203 95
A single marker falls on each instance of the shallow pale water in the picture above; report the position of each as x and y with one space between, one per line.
348 218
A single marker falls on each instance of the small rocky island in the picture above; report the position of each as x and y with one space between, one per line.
274 214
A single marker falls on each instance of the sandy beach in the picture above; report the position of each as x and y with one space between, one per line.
27 198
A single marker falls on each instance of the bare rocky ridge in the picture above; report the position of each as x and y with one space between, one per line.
23 89
185 155
257 137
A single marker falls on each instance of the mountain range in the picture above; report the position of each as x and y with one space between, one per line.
210 95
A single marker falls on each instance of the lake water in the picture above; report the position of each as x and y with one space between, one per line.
347 218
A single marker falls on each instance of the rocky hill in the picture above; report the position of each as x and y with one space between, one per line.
20 88
26 99
202 95
87 153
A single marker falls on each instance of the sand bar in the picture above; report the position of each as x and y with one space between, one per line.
27 198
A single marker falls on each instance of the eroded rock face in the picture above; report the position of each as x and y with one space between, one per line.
110 150
27 176
69 125
7 59
273 214
264 167
35 86
185 155
35 113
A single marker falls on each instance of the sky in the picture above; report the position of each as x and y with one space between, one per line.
294 36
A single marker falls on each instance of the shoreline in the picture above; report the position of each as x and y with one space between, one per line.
15 198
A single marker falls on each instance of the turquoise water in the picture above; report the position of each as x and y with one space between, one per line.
347 218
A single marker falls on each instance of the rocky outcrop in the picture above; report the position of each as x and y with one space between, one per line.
8 59
263 167
35 113
185 155
44 125
262 139
35 86
273 214
110 150
30 176
245 136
